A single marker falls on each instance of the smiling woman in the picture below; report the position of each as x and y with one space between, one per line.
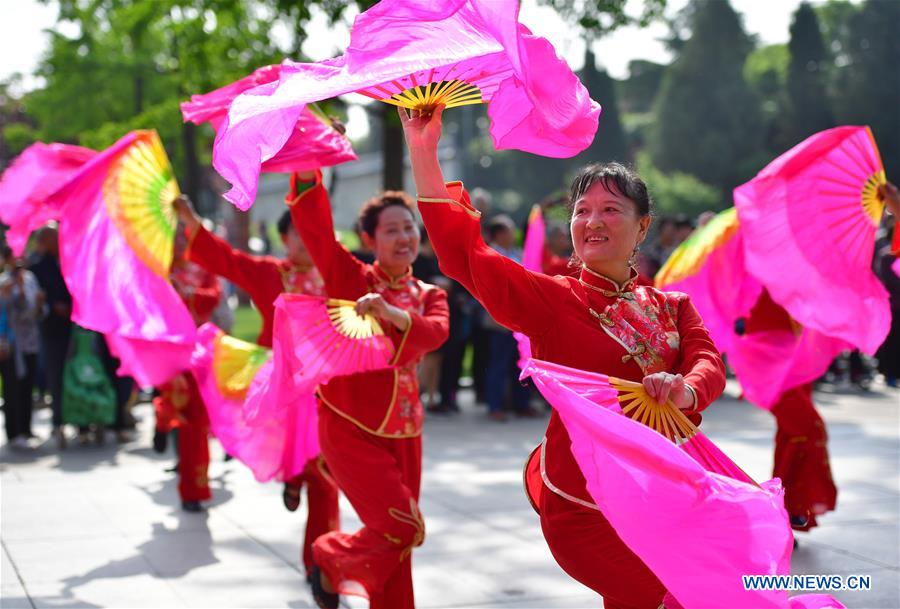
602 321
370 423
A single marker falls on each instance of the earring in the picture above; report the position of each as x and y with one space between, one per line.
632 260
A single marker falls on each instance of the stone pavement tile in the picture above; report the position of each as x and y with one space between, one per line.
14 598
8 575
812 558
885 592
156 509
136 591
876 542
509 559
582 601
33 512
174 554
496 492
861 510
76 560
274 586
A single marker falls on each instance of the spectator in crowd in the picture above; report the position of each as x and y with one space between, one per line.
56 327
502 371
22 305
425 268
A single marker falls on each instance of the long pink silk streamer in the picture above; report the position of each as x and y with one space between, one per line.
766 363
533 260
535 102
113 292
311 144
809 240
698 531
273 448
36 174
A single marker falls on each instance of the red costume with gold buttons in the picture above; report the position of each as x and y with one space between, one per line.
592 323
801 440
370 424
179 404
264 278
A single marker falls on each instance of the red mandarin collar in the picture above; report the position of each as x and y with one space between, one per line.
395 283
606 286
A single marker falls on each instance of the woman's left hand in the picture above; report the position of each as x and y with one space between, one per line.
375 304
662 386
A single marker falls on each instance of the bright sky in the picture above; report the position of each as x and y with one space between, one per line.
23 37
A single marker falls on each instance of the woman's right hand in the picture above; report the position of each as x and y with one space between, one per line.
184 209
422 130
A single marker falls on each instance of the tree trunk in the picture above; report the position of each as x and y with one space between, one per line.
191 184
393 168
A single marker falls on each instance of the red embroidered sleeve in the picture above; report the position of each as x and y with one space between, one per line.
343 274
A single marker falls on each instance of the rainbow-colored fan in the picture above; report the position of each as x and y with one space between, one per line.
691 255
138 193
235 363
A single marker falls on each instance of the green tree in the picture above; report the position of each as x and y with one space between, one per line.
638 91
808 110
766 72
707 118
609 144
867 87
132 62
677 192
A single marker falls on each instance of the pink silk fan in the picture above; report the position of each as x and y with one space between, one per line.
418 55
809 220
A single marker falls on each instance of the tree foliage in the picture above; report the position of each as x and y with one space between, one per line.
707 117
809 109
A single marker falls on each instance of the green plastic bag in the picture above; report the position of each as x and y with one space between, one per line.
88 396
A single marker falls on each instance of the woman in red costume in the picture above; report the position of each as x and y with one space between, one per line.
801 440
264 278
179 404
601 321
370 424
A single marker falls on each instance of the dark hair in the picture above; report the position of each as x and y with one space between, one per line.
284 223
616 178
499 224
6 252
371 209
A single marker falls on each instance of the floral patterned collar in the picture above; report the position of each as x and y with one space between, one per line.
394 283
606 286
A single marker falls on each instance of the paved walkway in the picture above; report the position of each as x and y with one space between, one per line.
100 526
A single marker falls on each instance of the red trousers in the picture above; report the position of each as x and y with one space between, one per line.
587 548
801 457
381 479
323 514
193 447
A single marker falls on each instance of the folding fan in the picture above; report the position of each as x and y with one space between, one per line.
657 498
235 363
418 55
809 220
138 192
631 399
328 338
273 446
